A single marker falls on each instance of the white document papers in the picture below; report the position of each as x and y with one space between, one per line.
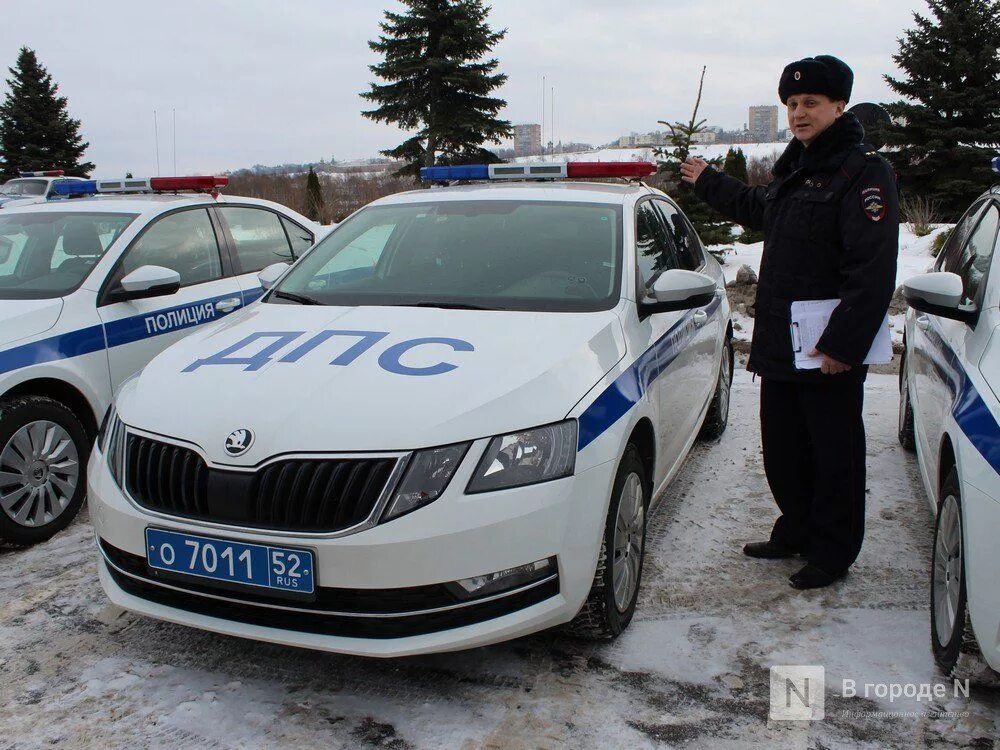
809 320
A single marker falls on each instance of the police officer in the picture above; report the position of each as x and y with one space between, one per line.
830 219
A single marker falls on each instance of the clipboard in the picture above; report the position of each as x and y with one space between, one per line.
810 319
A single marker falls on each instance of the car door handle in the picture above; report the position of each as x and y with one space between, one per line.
923 322
227 305
700 317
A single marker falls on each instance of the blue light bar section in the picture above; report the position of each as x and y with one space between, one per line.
463 172
996 164
75 187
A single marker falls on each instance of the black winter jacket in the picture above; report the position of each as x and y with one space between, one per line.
831 230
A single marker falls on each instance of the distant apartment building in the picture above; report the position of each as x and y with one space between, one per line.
763 122
527 139
705 136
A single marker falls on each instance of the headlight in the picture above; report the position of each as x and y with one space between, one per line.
116 448
102 431
527 457
426 478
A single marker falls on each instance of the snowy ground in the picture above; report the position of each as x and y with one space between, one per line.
691 671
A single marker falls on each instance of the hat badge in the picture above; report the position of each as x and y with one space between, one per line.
798 75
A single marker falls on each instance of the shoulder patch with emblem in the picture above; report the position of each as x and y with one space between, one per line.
873 203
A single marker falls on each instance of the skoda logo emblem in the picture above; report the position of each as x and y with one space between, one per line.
239 441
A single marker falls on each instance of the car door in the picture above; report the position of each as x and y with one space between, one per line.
258 237
703 348
948 346
136 330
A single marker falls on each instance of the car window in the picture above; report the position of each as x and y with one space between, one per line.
23 188
654 250
972 262
685 240
258 235
49 253
492 254
300 238
183 241
952 249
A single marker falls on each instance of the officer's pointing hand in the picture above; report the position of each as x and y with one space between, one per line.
692 168
830 365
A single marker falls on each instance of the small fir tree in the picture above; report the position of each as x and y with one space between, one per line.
315 205
736 164
948 126
438 83
711 227
36 131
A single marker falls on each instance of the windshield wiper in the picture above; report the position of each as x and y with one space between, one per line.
300 298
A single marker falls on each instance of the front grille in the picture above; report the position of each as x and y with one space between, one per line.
380 613
314 495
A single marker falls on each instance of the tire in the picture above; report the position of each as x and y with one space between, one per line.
43 468
907 436
604 615
717 417
952 638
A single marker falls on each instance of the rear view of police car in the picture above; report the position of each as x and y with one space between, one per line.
441 428
91 288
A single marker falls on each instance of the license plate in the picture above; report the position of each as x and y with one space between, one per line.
258 565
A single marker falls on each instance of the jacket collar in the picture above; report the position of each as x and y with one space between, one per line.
826 153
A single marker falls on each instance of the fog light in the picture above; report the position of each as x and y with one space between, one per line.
503 580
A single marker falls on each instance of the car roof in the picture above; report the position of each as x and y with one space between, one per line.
138 203
575 192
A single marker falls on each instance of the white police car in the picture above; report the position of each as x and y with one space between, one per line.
441 428
949 412
33 187
90 290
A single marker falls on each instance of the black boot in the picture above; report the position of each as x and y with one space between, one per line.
768 550
811 577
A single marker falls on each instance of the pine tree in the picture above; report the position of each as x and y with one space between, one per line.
438 83
711 227
736 164
948 127
315 204
36 131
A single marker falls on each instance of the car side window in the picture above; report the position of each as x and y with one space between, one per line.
258 236
301 239
654 250
953 247
685 240
974 257
183 241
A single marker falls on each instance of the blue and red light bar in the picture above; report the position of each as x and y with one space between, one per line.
204 183
554 170
45 173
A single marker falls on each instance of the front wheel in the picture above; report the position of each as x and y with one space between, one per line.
907 436
613 594
717 418
43 459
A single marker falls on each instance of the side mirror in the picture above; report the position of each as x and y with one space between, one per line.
6 247
679 290
148 281
939 293
269 275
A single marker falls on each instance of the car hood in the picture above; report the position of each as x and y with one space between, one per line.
433 377
24 318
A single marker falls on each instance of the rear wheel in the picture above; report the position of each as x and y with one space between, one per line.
717 417
907 437
43 458
613 594
951 631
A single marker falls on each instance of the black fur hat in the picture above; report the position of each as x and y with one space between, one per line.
823 74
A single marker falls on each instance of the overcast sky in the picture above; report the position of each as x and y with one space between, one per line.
261 81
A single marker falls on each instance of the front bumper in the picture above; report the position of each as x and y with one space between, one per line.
380 591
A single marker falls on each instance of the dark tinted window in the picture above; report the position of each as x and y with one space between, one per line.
300 238
259 237
184 242
973 260
654 250
681 232
952 249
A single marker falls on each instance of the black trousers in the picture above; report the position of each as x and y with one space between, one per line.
814 457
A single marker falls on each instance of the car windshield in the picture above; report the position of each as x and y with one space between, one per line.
24 188
485 254
49 254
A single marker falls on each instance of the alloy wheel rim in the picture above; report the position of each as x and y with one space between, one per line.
904 402
629 523
947 570
725 382
39 473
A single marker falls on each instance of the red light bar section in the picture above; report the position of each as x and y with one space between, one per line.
609 169
187 183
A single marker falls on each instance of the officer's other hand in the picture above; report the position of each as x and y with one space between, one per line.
692 168
830 365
